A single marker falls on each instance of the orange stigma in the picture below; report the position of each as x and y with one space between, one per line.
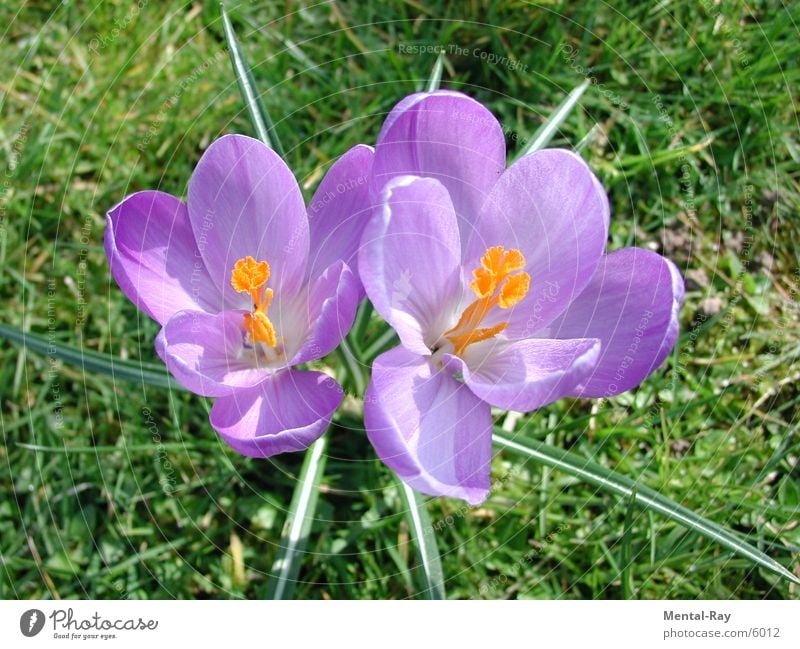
495 286
250 276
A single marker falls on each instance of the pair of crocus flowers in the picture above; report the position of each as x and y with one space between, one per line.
496 281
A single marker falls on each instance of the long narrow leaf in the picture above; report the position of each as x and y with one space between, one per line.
354 366
618 484
547 130
628 588
298 523
424 540
265 129
91 361
436 74
359 330
387 339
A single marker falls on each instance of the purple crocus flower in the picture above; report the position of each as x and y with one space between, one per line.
246 285
499 288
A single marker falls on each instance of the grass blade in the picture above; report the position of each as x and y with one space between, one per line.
299 520
580 146
424 540
265 129
91 361
435 80
387 339
628 587
359 330
651 500
354 366
547 130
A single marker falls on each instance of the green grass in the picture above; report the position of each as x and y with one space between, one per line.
122 490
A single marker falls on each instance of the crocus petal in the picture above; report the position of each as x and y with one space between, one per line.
244 200
339 211
429 428
448 136
154 259
205 352
632 305
550 206
409 259
331 306
524 375
286 413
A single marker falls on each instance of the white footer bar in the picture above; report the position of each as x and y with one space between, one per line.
405 624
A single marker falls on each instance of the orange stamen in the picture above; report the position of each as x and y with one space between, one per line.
260 328
495 286
514 290
249 276
461 341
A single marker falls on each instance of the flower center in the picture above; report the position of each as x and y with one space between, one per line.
495 286
250 276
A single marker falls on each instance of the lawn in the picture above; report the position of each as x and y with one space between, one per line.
116 488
